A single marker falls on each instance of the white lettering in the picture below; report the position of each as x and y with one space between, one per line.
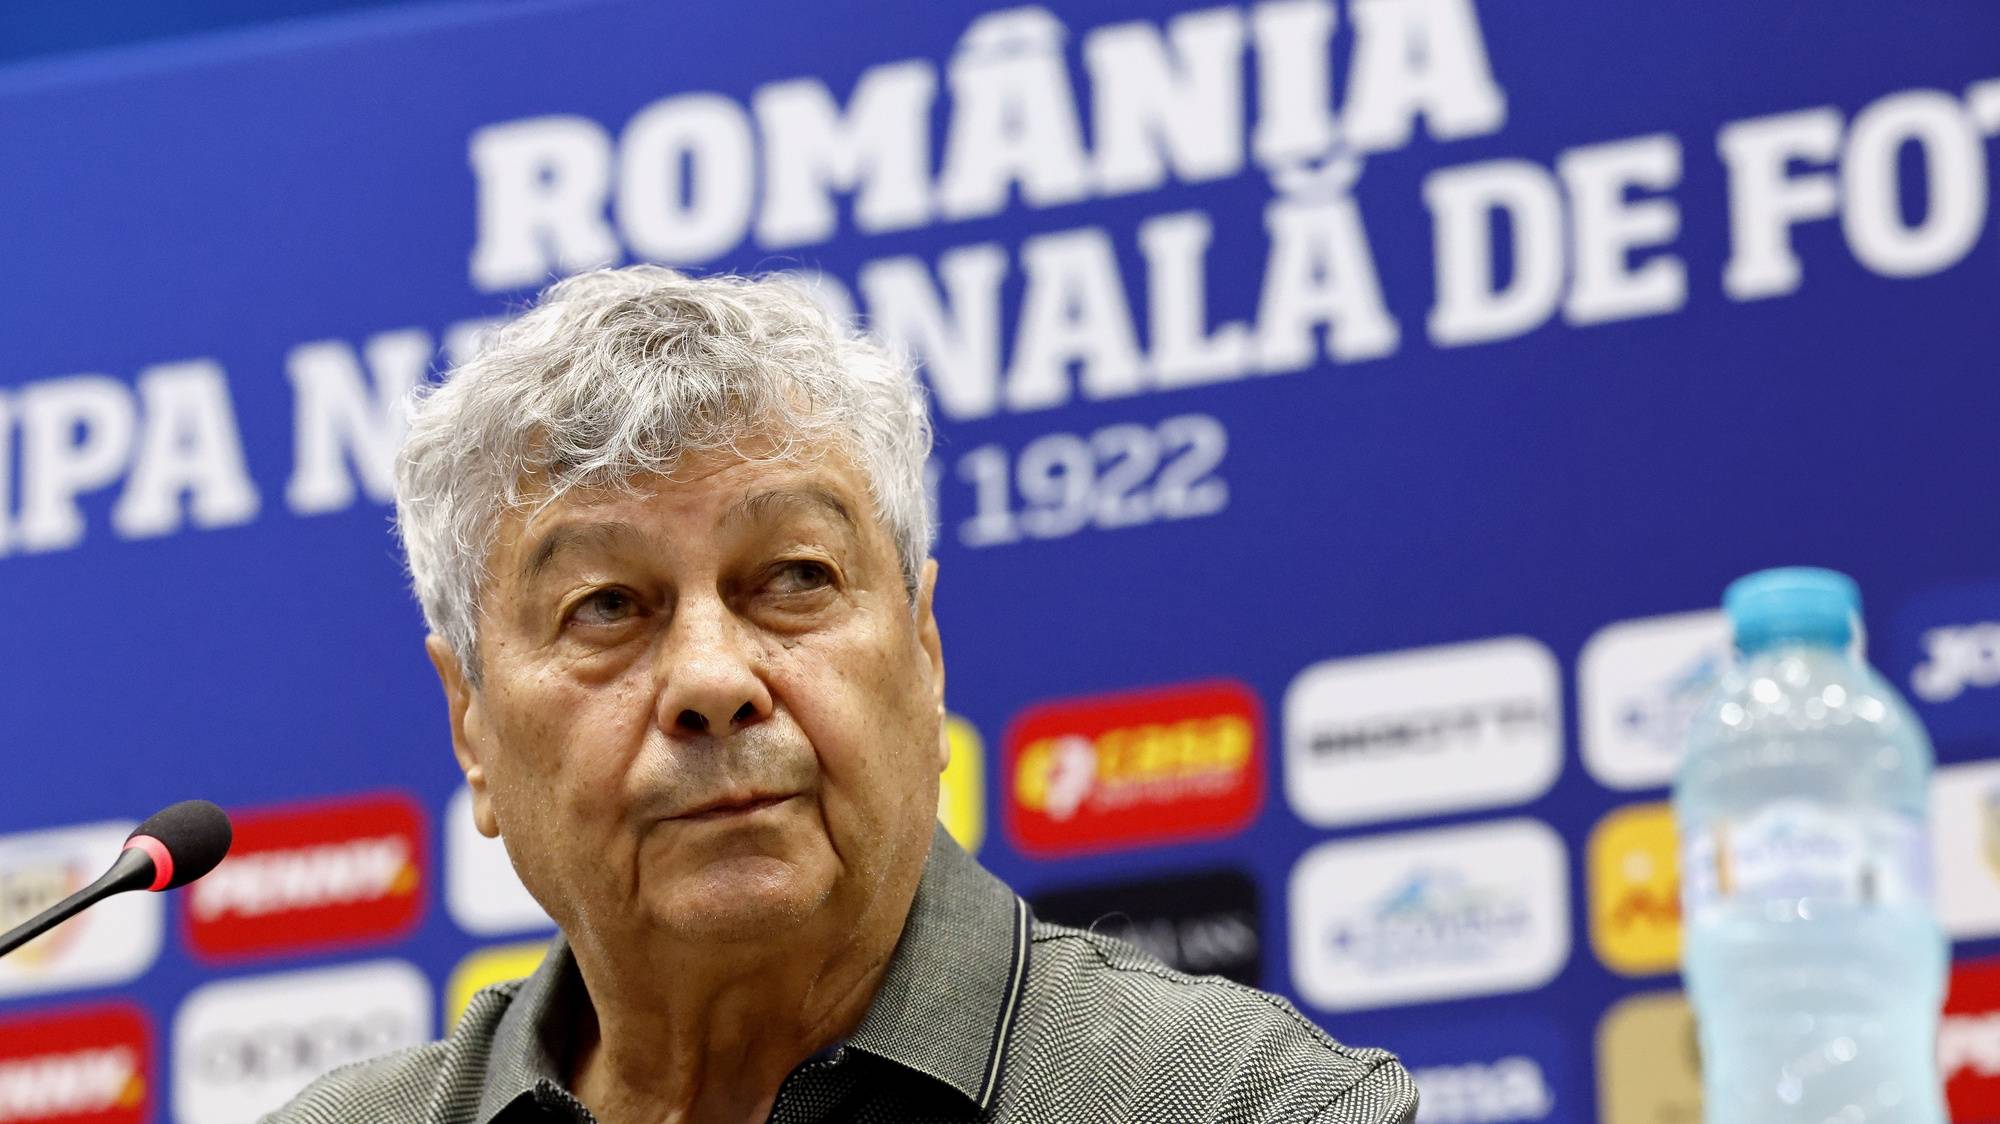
6 470
187 445
1954 157
542 187
1766 200
76 437
1465 205
1191 107
74 1084
1969 1042
1013 117
1183 351
1956 658
1982 101
1510 1089
337 416
1320 271
1294 80
882 145
1605 228
686 178
956 337
1419 56
1074 311
303 878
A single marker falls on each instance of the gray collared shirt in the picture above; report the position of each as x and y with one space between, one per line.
984 1015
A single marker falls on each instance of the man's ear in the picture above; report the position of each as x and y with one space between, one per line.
933 645
462 701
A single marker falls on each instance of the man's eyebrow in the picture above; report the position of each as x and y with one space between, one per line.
764 503
567 536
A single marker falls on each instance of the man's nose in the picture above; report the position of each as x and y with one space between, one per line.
708 673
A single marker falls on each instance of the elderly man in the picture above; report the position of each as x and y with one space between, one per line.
671 540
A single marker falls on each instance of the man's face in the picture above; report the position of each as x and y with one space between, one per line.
707 708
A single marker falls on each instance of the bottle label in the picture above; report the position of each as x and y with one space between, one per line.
1800 849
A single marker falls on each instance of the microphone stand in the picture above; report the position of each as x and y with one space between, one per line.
132 871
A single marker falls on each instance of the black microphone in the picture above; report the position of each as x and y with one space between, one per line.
175 846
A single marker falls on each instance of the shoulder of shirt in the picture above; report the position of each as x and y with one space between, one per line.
438 1081
1141 1009
1098 960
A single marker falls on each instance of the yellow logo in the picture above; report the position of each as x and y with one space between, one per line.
486 967
962 798
1648 1062
1635 890
1989 827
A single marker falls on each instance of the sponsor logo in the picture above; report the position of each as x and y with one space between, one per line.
1969 1042
482 893
90 1065
1989 828
1204 923
1965 806
487 967
316 875
1635 890
1958 659
115 941
962 789
1508 1089
1124 770
1648 1062
244 1047
1431 730
1639 685
1513 1065
1945 647
1427 915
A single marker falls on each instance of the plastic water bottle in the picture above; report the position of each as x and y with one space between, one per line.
1812 956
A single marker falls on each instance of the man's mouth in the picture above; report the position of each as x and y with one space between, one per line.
733 806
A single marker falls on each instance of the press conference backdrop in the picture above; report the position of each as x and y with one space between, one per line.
1348 412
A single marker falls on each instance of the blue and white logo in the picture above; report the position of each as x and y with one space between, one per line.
1441 914
1435 916
1503 1091
1943 651
1640 683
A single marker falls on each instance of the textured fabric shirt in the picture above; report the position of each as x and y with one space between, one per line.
984 1015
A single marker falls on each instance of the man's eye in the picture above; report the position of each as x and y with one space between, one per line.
606 606
802 576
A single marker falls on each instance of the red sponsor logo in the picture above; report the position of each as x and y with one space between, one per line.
1126 770
1969 1043
312 876
89 1065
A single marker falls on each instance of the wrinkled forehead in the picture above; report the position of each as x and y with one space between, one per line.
699 487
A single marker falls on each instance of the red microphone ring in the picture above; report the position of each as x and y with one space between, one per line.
163 862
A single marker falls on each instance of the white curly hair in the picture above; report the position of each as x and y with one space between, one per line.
620 373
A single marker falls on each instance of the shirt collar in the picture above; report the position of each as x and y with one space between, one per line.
944 1009
525 1061
955 983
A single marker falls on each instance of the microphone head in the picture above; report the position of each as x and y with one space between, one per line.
194 835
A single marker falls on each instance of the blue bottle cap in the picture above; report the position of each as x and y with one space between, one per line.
1800 604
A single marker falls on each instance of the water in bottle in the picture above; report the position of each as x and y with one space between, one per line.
1812 956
